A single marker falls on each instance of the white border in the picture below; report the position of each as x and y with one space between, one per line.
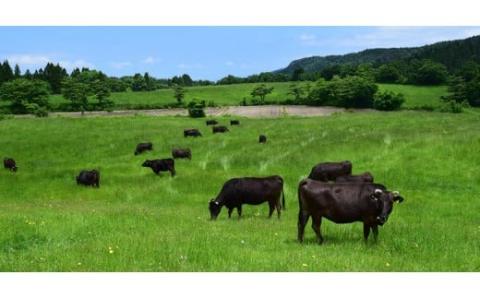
244 12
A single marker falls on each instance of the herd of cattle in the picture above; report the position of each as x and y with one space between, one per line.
330 191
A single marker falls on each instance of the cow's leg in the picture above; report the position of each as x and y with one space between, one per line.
316 224
366 231
271 205
375 232
230 210
302 221
172 171
239 209
279 207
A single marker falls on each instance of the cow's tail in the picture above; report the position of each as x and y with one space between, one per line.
302 183
283 199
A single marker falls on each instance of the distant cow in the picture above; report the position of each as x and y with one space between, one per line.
193 132
329 171
142 147
89 178
219 129
251 191
211 122
181 153
9 163
234 122
344 203
364 177
262 139
161 165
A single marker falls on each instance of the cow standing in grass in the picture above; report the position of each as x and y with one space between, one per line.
161 165
192 132
234 122
89 178
364 177
10 164
344 203
211 122
249 190
182 153
219 129
329 171
142 147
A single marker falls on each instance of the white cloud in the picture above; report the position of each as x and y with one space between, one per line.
121 64
229 63
70 65
390 36
150 60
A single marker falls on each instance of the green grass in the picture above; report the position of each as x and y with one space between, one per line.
233 94
137 221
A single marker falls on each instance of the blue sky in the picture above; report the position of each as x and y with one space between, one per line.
202 52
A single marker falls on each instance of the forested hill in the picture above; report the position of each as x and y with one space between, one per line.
453 54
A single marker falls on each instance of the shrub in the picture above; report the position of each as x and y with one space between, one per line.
195 109
35 109
452 106
388 101
22 92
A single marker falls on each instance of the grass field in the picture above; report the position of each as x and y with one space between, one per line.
233 94
137 221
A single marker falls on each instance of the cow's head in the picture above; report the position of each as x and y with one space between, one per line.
384 201
147 163
214 208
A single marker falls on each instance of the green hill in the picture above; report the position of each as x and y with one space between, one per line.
452 54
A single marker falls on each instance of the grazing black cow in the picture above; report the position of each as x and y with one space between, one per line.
251 191
89 178
234 122
329 171
181 153
9 163
161 165
193 132
142 147
344 203
219 129
364 177
262 139
211 122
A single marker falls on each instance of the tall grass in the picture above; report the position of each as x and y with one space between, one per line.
137 221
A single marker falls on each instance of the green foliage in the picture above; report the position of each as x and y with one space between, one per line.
430 73
179 93
77 92
451 106
21 92
54 75
348 92
298 92
196 108
387 73
388 101
6 73
297 73
35 109
462 91
261 91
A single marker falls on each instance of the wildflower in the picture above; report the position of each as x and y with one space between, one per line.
304 265
79 264
110 250
387 264
242 242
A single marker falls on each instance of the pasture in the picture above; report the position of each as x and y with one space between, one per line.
232 95
137 221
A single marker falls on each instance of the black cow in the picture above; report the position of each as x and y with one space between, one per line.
251 191
161 165
181 153
262 139
89 178
192 132
9 163
142 147
344 203
234 122
364 177
329 171
211 122
219 129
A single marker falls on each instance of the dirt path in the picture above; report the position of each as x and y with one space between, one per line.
249 111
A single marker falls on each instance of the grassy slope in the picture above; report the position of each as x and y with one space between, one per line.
138 221
233 94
